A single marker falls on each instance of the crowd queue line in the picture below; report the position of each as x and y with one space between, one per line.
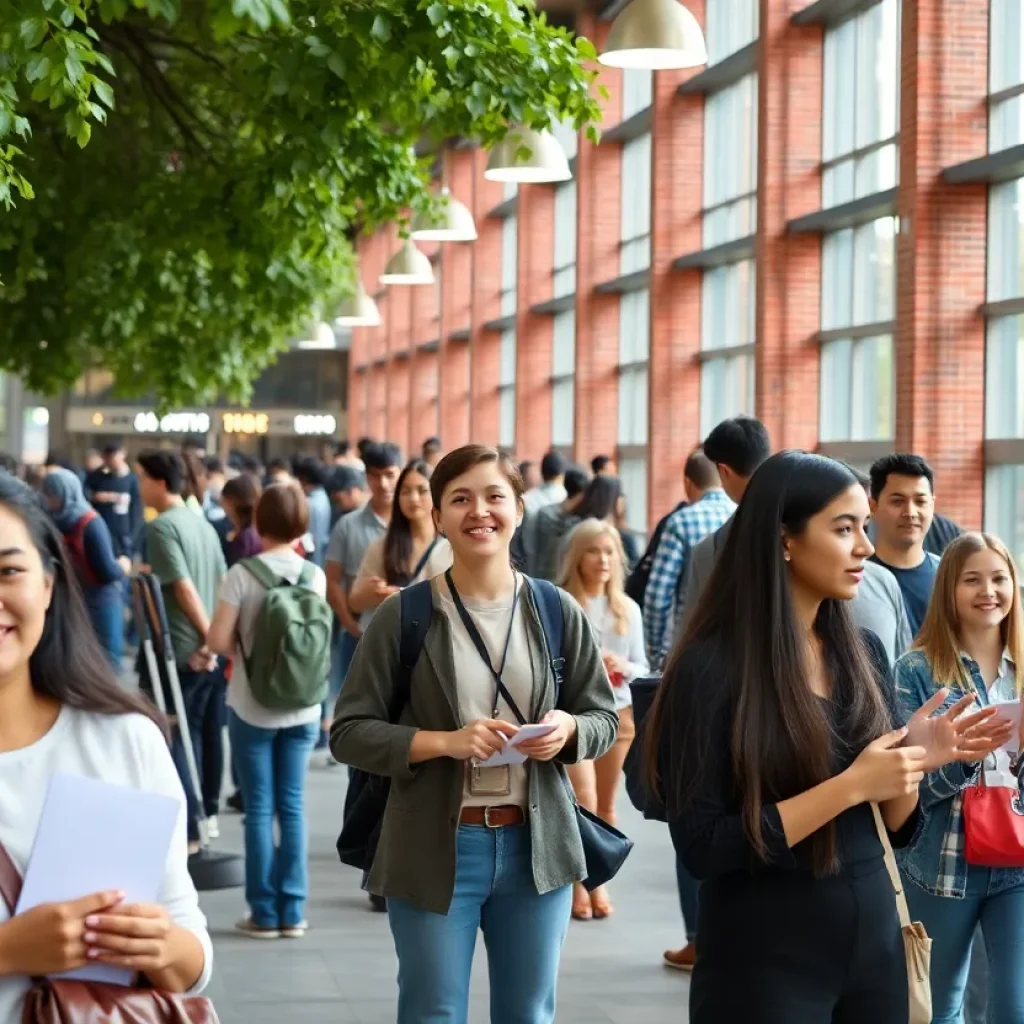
824 669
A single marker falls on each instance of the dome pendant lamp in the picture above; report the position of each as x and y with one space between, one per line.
359 310
656 35
408 266
527 156
453 224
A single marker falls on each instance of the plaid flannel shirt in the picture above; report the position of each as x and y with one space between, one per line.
683 531
935 859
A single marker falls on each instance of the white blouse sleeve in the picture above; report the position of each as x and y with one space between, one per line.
177 893
639 666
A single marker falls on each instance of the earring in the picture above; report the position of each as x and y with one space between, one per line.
786 556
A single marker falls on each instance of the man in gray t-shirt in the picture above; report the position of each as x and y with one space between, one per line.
878 606
351 536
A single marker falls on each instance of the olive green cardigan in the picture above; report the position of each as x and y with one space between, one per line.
415 858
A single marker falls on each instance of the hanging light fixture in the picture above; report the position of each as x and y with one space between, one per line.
453 224
527 155
408 266
655 35
321 336
359 310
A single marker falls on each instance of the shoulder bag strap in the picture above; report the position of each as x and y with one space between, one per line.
549 607
424 558
10 880
416 606
890 866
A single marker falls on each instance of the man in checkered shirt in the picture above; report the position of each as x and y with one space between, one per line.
709 507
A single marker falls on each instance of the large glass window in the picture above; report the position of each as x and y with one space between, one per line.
563 372
635 253
1006 75
857 389
727 340
861 104
509 259
731 24
637 89
634 351
730 162
565 240
1004 362
507 390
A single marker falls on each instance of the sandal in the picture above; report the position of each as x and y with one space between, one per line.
600 904
581 908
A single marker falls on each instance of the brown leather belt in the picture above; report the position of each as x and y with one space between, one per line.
493 817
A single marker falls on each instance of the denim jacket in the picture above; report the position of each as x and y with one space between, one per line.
935 860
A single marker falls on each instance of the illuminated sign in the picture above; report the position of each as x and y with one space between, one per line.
245 422
173 423
315 424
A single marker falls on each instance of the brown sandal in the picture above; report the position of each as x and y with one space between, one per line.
581 906
600 904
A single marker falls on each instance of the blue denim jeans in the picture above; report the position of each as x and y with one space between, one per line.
951 923
272 765
197 690
523 933
341 658
689 891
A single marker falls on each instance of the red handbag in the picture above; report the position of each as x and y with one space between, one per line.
65 1001
993 825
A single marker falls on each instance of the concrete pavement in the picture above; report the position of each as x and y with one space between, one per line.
343 971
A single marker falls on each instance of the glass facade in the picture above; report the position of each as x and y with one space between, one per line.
858 280
507 356
1006 75
731 25
861 104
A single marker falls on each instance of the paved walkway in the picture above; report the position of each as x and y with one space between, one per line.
343 972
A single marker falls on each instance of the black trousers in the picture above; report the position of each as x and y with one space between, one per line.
798 950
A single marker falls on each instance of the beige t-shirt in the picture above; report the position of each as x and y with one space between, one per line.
439 561
475 683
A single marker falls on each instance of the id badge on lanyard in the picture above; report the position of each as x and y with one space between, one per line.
489 781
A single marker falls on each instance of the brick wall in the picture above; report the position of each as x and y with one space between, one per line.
940 336
940 283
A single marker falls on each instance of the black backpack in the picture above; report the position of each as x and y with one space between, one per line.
636 585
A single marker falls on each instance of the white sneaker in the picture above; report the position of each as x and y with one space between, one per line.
246 927
213 827
295 931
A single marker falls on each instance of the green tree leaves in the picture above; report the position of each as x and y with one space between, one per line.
200 168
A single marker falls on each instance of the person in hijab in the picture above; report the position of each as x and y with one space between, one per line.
90 557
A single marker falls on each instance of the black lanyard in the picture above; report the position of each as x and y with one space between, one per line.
478 643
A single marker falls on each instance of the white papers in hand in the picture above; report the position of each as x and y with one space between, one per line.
509 754
93 836
1010 711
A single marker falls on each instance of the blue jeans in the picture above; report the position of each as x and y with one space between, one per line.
341 659
107 614
523 933
951 923
272 766
689 891
197 690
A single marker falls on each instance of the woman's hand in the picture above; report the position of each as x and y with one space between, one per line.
955 735
885 770
51 937
615 666
136 936
544 748
479 739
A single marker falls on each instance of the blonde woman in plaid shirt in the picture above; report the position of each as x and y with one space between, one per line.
971 641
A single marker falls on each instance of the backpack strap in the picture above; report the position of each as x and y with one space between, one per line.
416 606
265 576
305 575
549 607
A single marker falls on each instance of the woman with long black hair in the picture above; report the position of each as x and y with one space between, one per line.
63 712
410 551
775 729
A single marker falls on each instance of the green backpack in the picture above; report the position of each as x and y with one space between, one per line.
290 659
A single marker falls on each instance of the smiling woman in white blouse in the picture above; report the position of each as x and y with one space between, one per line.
62 711
594 571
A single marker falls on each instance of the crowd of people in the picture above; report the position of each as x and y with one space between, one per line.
833 668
